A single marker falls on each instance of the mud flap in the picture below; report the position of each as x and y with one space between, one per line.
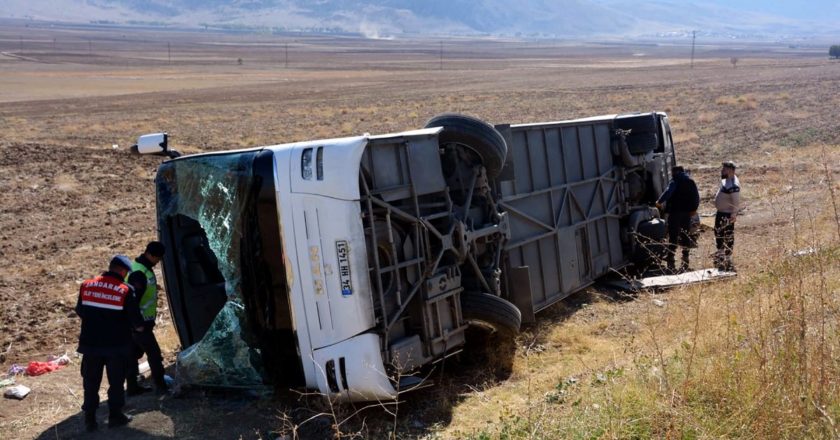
520 282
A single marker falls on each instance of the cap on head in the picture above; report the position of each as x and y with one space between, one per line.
677 170
120 261
155 248
729 164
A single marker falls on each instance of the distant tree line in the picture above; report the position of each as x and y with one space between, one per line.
834 51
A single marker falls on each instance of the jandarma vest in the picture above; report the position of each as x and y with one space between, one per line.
148 299
104 292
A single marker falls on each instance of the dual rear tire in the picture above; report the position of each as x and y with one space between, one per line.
480 138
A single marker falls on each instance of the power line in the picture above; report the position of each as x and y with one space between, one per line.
693 36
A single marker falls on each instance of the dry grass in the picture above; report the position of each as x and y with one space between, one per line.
745 102
761 124
761 362
707 117
686 137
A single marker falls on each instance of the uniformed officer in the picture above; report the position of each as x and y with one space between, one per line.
108 310
142 278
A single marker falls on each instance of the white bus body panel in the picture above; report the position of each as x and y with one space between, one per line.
296 289
364 371
323 239
323 225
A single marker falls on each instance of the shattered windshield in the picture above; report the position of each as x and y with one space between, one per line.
215 191
203 206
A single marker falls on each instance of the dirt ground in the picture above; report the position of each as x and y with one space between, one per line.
72 100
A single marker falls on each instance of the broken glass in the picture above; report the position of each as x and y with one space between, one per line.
222 357
215 191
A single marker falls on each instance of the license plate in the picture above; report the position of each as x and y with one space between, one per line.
342 249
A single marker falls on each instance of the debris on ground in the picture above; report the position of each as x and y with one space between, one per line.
658 303
61 360
16 369
804 252
53 363
37 368
17 392
7 381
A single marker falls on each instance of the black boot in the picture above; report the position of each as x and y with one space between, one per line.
719 261
728 266
684 267
669 262
118 419
90 421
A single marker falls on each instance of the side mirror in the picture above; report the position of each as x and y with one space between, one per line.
155 143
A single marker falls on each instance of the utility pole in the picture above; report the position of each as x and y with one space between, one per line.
693 37
169 51
441 55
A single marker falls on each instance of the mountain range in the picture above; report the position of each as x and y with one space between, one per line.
768 19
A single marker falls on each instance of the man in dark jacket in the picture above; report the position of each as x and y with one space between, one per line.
108 310
142 279
681 201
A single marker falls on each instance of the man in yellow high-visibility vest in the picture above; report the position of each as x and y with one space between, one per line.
142 279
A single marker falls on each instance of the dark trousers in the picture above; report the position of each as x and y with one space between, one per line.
679 224
145 342
724 233
92 366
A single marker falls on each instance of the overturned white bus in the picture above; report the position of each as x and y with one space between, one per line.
345 265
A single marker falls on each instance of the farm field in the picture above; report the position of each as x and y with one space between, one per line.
755 357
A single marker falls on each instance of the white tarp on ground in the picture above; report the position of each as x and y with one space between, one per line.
666 281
